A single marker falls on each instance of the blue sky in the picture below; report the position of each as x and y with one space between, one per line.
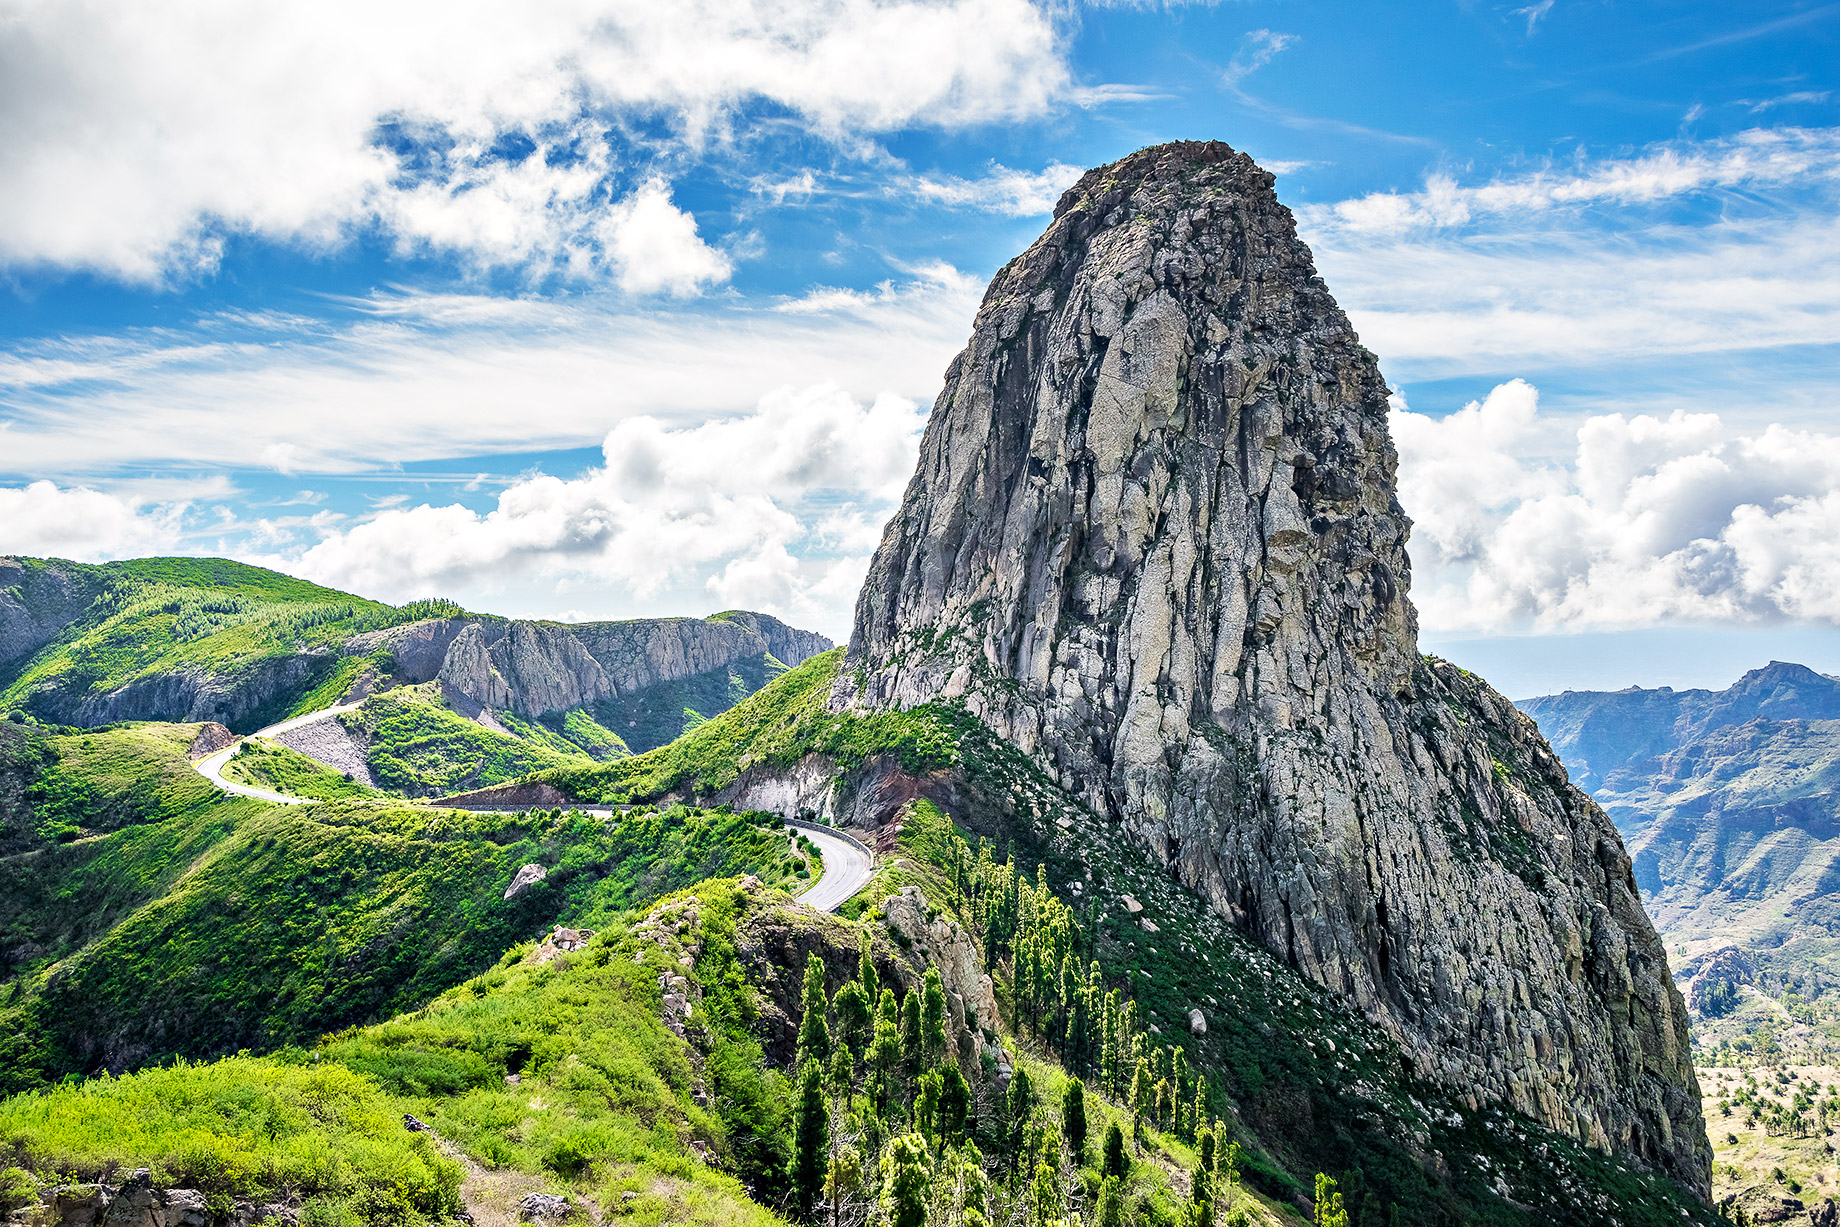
624 309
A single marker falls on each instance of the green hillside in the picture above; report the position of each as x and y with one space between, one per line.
186 923
256 641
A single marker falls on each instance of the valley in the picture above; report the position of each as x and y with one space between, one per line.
1193 893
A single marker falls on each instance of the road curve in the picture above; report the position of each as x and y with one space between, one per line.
846 870
211 766
846 866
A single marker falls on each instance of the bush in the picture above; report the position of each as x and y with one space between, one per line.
17 1189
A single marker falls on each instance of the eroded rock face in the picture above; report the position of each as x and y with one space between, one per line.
1153 540
540 667
943 944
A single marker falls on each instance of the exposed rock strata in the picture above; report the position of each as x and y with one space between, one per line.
1153 541
538 667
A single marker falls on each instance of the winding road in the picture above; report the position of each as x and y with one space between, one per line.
847 864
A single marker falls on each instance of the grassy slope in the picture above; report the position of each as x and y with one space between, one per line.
420 748
202 616
651 717
775 726
603 1108
217 924
1310 1106
267 764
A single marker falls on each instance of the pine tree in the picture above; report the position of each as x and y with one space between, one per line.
814 1033
1044 1197
855 1016
1140 1100
954 1104
933 1019
885 1050
926 1108
1073 1118
810 1141
1201 1198
913 1059
905 1175
1111 1204
842 1073
865 968
1115 1162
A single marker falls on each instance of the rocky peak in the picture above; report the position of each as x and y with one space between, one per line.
1153 540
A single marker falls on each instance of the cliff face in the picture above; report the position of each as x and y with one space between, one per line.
1153 541
538 667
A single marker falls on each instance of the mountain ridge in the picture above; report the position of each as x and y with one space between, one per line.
1153 541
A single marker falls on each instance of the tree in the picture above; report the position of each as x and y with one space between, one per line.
1044 1197
1073 1118
855 1016
844 1181
865 968
912 1058
932 1019
954 1104
814 1033
1329 1211
904 1181
1111 1204
926 1108
1201 1198
1115 1162
1140 1100
885 1049
810 1140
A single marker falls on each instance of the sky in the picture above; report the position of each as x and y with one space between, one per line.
602 309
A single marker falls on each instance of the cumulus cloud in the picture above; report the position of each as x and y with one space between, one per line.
141 137
762 510
47 520
1641 520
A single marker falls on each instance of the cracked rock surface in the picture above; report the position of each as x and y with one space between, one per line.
1153 540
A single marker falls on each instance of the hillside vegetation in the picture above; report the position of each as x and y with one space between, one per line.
196 924
253 642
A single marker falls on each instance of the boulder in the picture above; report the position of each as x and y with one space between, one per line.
526 877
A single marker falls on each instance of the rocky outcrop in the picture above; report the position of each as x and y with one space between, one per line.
137 1203
534 668
1153 541
649 651
944 944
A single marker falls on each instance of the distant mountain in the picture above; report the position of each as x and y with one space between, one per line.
1729 804
1613 739
207 639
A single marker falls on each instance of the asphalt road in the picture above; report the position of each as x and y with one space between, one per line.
846 867
846 871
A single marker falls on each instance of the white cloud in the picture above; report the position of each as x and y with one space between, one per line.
1646 520
1760 158
1687 248
1012 193
1533 13
425 377
140 136
45 520
1256 50
746 508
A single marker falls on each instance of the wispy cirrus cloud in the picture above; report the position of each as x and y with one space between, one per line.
1685 248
